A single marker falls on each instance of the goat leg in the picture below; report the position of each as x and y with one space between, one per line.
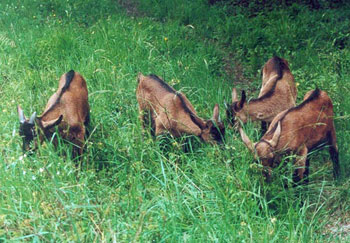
333 151
263 127
301 164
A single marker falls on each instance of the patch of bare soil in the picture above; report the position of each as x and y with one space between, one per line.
235 72
234 69
232 66
340 227
131 7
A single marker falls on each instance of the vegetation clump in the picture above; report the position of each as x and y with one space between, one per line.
134 188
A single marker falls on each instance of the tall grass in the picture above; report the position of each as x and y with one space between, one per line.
137 189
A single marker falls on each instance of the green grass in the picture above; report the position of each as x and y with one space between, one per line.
150 190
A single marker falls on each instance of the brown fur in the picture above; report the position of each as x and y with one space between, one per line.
278 93
170 111
68 108
298 131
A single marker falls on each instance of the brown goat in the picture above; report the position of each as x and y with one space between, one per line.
298 131
278 93
68 108
168 110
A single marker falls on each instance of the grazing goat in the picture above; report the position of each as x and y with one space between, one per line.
278 93
298 131
168 110
68 108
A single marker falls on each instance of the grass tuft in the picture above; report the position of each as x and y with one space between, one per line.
135 188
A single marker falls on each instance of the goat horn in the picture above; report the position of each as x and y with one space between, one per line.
276 135
247 141
216 113
31 120
225 104
234 95
21 117
198 121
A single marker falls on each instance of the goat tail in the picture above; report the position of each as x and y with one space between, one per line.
317 89
139 75
280 66
69 78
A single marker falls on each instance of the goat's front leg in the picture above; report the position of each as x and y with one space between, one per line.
301 164
264 126
80 142
77 135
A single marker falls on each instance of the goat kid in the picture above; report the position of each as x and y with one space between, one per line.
298 131
278 93
167 110
68 109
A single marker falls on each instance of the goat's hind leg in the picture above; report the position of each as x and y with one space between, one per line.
147 122
333 151
86 124
307 171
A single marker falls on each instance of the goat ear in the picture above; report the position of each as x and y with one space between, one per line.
247 141
234 95
52 123
241 102
276 135
21 116
216 113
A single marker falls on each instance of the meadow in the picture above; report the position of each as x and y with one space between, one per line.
131 188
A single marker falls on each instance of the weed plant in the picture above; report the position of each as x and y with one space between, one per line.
135 188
